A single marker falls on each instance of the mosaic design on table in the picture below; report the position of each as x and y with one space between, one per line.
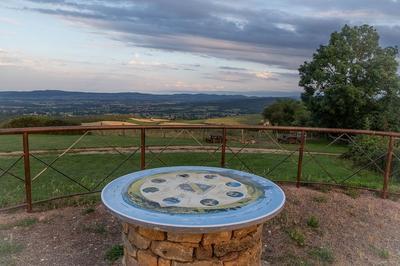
192 192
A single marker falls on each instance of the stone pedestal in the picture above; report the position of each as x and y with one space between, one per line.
148 247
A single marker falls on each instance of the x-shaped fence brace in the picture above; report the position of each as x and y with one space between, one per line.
59 156
8 169
331 177
235 155
79 183
397 158
113 147
212 154
156 156
364 152
351 140
50 165
397 170
116 168
276 143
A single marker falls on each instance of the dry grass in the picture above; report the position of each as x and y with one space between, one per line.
360 230
149 120
109 123
351 231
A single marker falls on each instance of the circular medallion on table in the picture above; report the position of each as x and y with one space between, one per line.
191 191
193 198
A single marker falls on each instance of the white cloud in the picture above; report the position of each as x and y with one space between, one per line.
263 75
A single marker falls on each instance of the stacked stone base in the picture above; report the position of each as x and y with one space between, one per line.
148 247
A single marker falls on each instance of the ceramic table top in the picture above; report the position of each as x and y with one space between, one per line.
193 198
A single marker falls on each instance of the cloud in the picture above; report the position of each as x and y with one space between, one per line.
253 32
272 38
263 75
220 20
9 21
241 76
232 68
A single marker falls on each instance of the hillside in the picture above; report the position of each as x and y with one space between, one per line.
182 106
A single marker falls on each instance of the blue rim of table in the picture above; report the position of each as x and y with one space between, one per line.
255 212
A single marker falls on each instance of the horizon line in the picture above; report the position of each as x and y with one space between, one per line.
219 93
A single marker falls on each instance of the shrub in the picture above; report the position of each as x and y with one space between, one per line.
367 148
313 222
114 253
323 254
37 121
297 236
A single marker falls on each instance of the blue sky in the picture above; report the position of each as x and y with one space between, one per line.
162 46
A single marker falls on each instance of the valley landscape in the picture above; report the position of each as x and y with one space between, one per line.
174 106
208 133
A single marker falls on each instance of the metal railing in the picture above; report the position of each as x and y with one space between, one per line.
227 146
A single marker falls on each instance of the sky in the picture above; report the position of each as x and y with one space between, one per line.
251 47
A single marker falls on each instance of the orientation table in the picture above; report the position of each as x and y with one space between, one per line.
192 215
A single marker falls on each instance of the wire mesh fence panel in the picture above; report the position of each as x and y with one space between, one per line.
79 160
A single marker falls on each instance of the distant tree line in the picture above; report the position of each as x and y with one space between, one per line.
351 82
37 121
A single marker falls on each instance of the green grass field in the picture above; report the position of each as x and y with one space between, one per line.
91 170
156 138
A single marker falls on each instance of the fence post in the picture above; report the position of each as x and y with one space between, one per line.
223 147
388 168
27 170
300 161
142 149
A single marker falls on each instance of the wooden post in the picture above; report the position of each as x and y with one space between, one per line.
142 149
300 161
223 147
388 168
27 170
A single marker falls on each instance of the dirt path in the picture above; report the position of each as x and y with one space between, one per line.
169 149
351 231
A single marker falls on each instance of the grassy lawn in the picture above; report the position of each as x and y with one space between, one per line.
157 138
92 170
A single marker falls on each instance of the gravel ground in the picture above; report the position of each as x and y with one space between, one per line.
338 227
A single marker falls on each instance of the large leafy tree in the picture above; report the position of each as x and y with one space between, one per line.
352 82
287 112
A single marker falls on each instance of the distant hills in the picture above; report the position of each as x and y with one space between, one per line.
55 102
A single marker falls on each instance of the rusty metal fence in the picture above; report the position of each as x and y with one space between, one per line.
284 154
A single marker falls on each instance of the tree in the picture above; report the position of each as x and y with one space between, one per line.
37 121
286 112
352 82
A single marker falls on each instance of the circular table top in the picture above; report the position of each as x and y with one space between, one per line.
193 198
